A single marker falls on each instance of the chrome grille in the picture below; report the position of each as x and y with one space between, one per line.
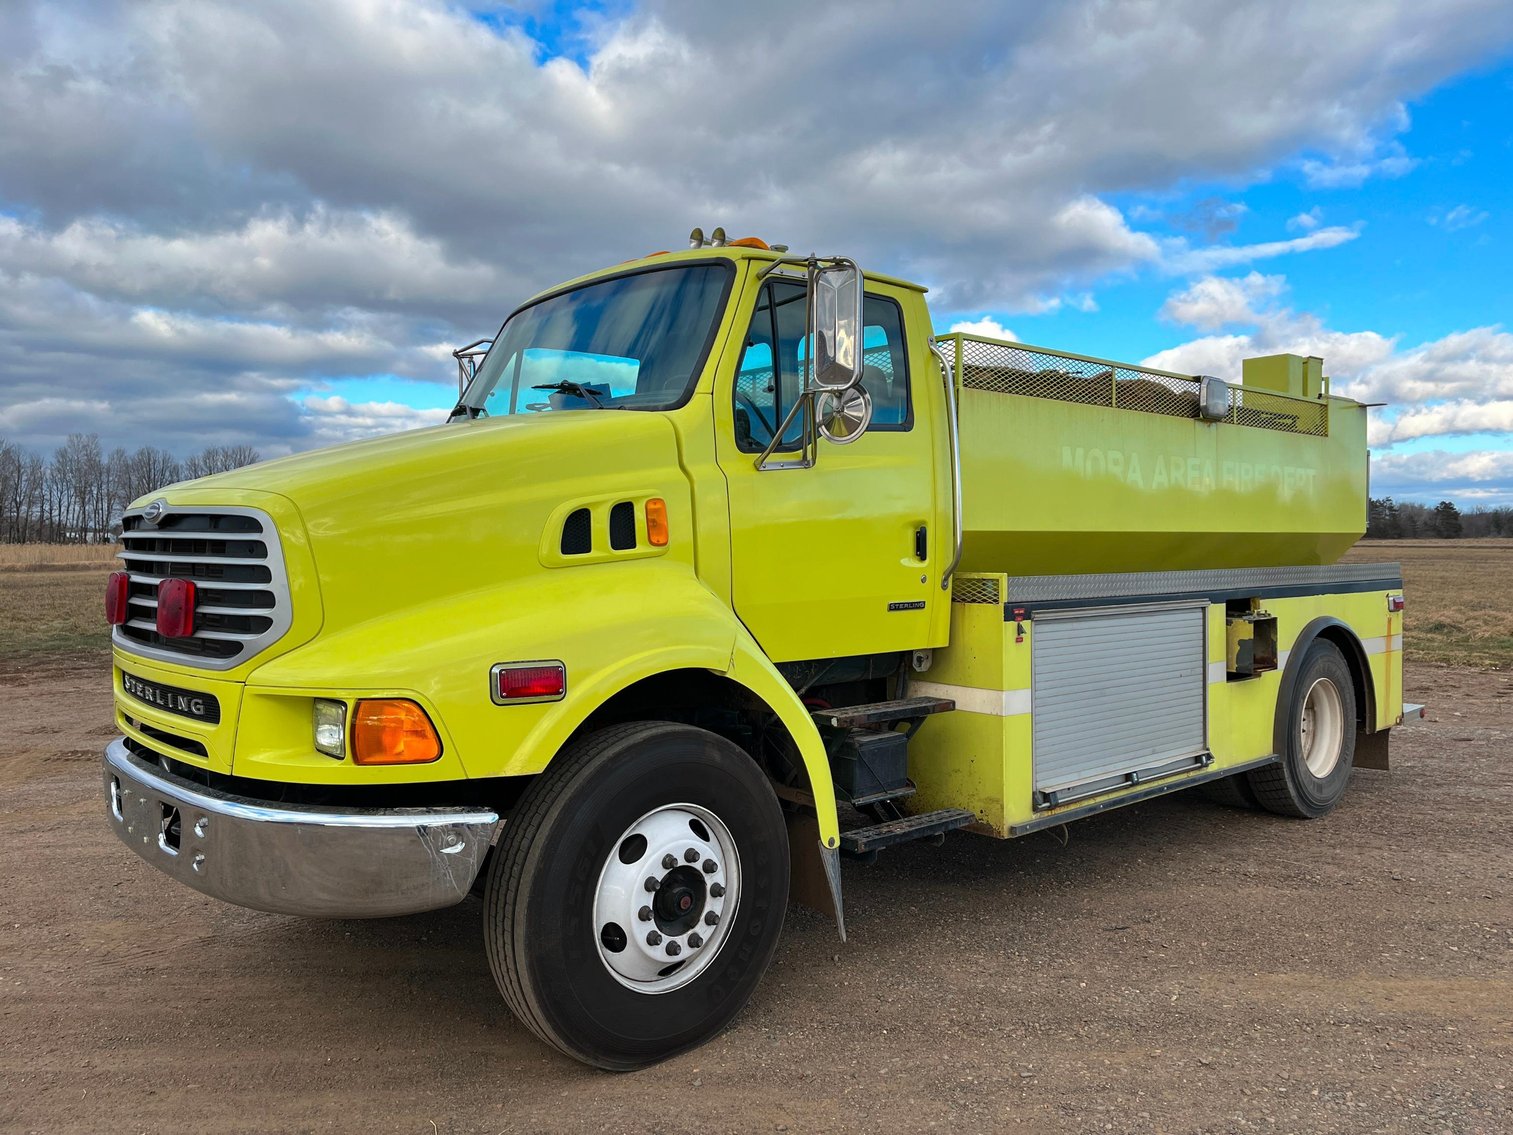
241 592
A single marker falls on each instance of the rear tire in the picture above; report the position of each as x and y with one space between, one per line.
1319 749
569 936
1231 791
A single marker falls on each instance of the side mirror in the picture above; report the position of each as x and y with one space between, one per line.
835 321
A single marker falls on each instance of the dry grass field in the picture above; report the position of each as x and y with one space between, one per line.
1460 598
55 557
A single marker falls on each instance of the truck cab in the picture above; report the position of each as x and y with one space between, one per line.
723 566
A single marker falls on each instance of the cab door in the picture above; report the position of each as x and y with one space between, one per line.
843 558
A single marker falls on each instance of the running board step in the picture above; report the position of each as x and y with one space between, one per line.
882 712
859 841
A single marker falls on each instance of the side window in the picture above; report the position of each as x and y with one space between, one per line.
770 373
886 373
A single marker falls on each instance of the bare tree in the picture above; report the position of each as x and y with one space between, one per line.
219 459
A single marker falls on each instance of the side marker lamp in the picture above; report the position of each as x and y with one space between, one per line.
516 683
656 522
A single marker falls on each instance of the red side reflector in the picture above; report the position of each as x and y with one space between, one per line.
536 681
176 608
1396 603
117 592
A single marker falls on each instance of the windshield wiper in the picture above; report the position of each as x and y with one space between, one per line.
576 389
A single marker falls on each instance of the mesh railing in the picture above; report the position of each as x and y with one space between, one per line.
975 589
1009 368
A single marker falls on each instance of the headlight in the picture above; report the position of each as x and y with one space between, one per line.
331 728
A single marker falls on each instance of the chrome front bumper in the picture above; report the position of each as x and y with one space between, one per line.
293 858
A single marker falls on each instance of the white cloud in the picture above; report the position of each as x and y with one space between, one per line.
1214 301
230 199
1459 217
1458 385
1484 477
1351 174
1306 222
987 327
1461 416
1184 260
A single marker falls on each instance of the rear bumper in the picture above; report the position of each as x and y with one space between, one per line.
293 858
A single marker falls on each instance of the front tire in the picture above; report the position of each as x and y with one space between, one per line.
594 962
1319 749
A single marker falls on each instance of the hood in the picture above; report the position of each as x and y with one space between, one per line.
434 512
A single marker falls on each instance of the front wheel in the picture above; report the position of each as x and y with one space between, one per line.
636 897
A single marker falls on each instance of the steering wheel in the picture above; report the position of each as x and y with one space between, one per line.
757 410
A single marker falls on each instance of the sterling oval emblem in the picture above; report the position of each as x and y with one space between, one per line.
154 511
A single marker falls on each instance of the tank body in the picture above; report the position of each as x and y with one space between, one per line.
1072 466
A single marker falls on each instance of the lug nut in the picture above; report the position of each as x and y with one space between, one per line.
644 914
654 939
716 890
691 855
668 862
673 949
694 941
653 884
711 918
710 866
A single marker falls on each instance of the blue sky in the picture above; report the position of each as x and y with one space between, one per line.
225 236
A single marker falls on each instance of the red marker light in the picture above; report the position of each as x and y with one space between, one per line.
117 592
1395 603
535 681
176 608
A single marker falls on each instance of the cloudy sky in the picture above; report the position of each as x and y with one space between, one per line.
269 222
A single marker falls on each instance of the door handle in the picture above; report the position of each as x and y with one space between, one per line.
922 543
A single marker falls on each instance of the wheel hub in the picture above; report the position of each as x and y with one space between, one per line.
667 894
1321 727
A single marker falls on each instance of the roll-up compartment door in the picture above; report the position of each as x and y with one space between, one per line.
1118 696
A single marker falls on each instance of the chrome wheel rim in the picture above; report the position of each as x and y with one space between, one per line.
1321 731
667 894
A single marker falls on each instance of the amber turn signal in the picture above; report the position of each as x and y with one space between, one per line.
656 522
392 731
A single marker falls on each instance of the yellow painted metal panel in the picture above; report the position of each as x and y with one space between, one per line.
1055 486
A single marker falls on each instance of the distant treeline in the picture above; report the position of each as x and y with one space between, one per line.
1388 520
79 493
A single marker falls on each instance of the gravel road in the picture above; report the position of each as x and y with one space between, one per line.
1172 967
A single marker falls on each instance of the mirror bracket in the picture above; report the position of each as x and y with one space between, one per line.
833 350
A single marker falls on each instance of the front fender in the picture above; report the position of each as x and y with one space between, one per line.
611 625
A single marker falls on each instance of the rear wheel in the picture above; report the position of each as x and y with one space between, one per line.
1316 761
636 897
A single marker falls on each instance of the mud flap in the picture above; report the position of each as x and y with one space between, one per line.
1371 749
815 870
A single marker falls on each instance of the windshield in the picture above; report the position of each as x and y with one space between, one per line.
633 342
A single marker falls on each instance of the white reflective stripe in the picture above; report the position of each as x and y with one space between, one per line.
1282 657
969 699
1217 672
1377 645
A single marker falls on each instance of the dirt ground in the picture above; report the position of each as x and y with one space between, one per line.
1175 967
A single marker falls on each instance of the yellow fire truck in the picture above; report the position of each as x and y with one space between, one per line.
727 566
